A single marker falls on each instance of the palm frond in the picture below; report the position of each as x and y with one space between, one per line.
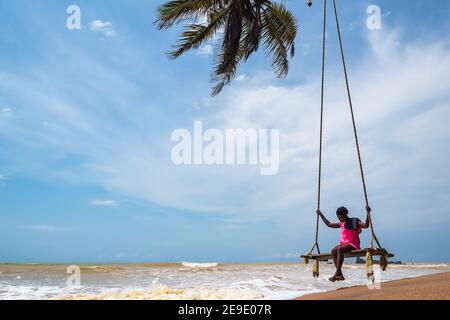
232 36
221 79
252 30
176 11
279 33
231 53
196 34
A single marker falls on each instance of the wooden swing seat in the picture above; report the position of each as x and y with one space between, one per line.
351 254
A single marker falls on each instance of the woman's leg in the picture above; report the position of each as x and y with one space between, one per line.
340 258
334 252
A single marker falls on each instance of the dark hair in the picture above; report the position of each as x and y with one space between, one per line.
342 211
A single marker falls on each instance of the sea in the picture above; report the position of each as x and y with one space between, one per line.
188 280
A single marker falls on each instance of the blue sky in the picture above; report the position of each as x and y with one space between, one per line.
86 117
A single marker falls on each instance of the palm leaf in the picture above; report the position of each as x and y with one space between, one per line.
176 11
279 33
196 34
252 30
231 53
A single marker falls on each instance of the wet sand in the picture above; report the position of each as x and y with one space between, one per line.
434 287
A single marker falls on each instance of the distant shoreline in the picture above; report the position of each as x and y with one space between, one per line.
162 263
432 287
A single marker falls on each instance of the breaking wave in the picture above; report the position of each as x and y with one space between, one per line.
199 265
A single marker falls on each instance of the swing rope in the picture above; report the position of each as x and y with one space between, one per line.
355 131
319 182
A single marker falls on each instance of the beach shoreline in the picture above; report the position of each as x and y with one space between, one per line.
430 287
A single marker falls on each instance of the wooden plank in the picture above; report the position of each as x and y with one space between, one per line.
351 254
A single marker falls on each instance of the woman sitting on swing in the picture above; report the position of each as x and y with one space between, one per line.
350 230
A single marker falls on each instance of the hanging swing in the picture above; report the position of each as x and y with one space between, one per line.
372 251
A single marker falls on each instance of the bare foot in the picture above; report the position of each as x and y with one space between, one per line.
333 279
339 278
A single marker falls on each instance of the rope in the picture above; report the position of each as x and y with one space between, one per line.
374 237
319 180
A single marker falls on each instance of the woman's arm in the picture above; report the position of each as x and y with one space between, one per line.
328 223
366 224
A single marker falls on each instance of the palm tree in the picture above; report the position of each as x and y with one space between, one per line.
240 25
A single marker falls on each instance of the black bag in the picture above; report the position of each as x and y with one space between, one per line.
352 224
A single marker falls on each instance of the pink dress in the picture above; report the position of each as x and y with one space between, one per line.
350 237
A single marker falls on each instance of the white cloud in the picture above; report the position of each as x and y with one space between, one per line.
392 91
205 51
306 49
48 228
6 112
104 28
242 77
202 104
46 124
401 107
203 20
104 203
43 228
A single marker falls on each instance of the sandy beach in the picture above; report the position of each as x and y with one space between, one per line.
433 287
